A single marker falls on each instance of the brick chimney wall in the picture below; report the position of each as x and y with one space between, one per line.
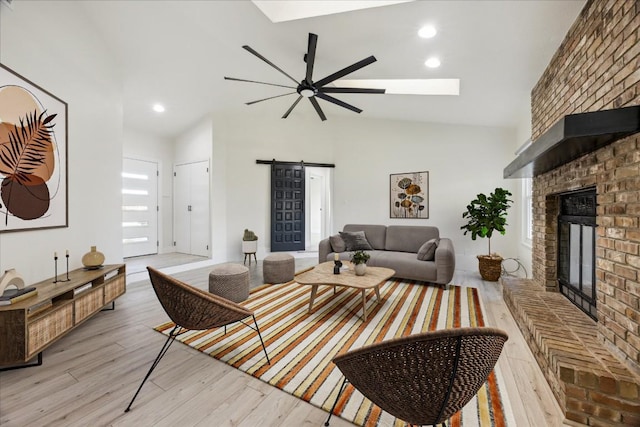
597 67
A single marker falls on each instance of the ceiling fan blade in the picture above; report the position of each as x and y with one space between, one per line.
338 102
271 97
253 81
249 49
310 57
318 109
292 107
348 70
349 90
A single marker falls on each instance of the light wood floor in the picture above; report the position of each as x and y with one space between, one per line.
89 376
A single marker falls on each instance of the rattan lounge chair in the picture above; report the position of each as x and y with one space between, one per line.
193 309
426 378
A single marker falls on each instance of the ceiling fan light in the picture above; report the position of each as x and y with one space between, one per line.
307 93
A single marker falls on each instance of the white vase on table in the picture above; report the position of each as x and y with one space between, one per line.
360 269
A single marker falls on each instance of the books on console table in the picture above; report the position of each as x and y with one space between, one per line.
12 296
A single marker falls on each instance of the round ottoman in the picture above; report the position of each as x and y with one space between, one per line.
230 281
278 268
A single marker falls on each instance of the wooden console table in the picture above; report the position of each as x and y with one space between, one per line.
31 325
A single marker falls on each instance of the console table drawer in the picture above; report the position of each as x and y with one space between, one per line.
114 289
49 327
88 303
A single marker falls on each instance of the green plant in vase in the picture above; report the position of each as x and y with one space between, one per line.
486 214
359 259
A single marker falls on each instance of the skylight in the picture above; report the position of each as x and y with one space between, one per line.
289 10
408 86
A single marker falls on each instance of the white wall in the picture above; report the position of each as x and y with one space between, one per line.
462 161
143 146
247 138
53 45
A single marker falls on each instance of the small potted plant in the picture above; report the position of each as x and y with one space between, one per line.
249 245
486 215
359 260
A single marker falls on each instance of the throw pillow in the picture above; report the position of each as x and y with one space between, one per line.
337 244
427 251
356 240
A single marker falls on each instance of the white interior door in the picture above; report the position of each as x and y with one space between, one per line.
181 207
200 208
191 208
139 207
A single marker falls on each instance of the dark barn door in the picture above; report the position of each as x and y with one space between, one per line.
287 207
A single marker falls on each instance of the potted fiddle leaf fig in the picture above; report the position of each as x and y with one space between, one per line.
486 214
359 260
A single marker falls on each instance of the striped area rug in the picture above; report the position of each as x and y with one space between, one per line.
301 345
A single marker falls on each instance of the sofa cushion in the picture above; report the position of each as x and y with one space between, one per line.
376 234
356 240
427 251
337 244
405 265
407 238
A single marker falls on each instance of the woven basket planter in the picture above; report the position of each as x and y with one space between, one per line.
490 267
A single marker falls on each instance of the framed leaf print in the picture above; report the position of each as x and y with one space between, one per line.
33 156
409 193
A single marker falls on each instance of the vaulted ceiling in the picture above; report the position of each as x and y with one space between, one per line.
178 52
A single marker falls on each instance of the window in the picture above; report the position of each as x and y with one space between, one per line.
527 211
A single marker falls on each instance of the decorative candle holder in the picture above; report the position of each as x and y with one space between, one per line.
55 267
336 267
67 279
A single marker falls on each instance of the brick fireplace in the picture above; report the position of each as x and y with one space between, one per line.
593 367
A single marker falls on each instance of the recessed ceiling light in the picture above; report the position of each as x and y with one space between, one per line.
158 108
432 62
427 31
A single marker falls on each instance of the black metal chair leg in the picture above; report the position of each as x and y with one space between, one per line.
262 342
170 339
336 402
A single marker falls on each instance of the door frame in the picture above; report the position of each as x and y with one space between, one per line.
326 202
328 187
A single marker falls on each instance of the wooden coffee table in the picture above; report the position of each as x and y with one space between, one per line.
322 274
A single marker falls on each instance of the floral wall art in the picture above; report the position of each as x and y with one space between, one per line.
33 155
409 195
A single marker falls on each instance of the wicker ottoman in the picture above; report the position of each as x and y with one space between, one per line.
230 281
278 268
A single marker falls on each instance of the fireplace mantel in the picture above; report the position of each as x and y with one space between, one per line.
574 136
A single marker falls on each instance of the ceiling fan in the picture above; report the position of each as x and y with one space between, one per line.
309 89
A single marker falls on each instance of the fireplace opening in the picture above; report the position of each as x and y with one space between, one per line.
576 249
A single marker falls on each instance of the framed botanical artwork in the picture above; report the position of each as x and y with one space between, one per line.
409 195
33 156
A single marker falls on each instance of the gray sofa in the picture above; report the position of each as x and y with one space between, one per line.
396 247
